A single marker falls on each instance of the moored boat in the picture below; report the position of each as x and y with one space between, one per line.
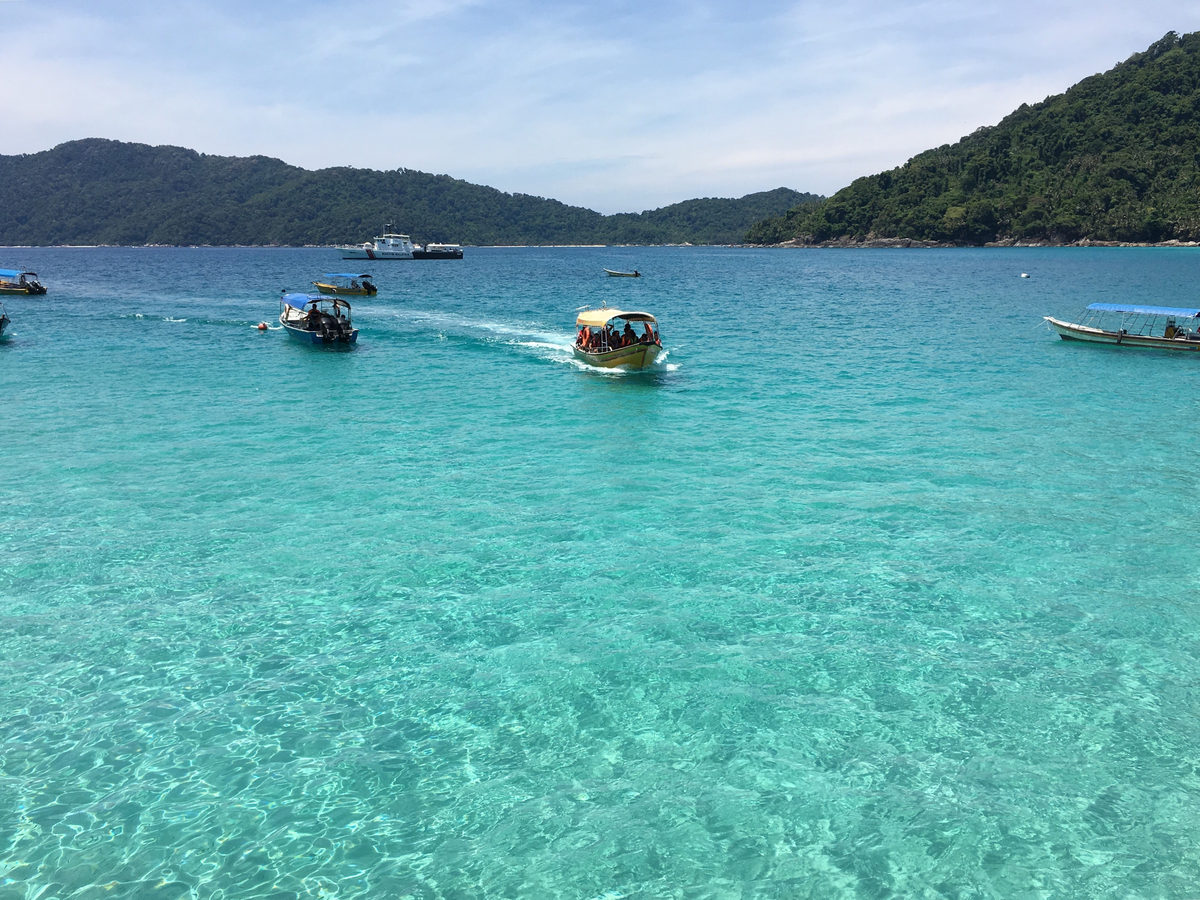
346 284
613 273
5 321
437 251
14 281
387 246
607 338
317 319
1132 325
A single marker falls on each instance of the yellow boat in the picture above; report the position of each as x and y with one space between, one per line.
603 341
346 284
14 281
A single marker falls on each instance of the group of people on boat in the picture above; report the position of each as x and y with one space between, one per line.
597 340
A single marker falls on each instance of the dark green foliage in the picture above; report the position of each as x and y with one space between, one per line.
1115 158
107 192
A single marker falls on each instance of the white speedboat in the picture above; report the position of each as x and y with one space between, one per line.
387 246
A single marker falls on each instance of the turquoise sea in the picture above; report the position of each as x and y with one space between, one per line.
873 589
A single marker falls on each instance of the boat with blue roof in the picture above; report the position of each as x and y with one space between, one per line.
15 281
318 319
346 284
1132 325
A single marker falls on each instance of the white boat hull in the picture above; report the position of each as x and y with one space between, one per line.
363 253
1071 331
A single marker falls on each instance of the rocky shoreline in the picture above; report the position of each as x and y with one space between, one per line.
871 242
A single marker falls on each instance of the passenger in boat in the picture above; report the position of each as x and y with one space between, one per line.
649 337
582 338
628 338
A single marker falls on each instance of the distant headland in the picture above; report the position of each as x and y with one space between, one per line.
103 192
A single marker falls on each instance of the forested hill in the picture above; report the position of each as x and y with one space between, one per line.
1115 158
108 192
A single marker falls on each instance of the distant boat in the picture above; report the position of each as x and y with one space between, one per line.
603 342
387 246
346 284
1137 326
315 319
614 274
14 281
438 251
5 321
390 245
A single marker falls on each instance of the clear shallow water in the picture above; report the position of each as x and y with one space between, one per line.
892 595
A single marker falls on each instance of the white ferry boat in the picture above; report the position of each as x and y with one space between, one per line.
386 246
390 245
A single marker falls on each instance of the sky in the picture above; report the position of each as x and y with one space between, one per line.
617 106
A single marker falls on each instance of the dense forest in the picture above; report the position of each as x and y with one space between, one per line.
108 192
1115 158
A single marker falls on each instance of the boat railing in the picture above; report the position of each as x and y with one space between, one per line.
1138 325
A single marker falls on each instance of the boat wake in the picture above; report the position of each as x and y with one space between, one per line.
199 320
552 346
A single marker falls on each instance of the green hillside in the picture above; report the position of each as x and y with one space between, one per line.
108 192
1115 158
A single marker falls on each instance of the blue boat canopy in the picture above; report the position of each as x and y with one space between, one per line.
14 273
299 300
344 275
1147 310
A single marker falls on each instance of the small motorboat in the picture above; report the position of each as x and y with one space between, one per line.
612 273
346 284
5 321
317 319
14 281
1128 325
607 338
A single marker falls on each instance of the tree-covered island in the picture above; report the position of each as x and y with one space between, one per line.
1114 158
108 192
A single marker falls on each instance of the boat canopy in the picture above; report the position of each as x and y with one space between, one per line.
299 301
1146 310
14 273
598 318
345 275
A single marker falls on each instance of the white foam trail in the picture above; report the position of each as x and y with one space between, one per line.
525 337
553 346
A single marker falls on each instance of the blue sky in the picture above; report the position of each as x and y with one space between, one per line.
617 106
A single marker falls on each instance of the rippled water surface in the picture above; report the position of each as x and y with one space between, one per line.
872 589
